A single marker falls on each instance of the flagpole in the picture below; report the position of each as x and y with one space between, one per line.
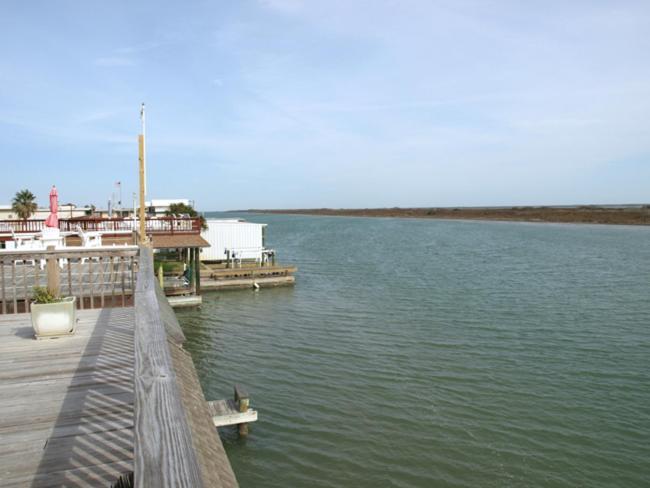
143 180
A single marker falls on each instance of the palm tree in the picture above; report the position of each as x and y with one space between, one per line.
24 204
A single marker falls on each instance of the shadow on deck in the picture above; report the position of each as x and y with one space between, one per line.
67 403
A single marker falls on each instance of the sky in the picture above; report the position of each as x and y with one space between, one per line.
337 103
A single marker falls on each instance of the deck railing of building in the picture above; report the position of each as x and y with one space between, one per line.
97 277
153 225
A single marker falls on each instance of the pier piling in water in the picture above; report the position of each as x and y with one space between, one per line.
233 412
242 399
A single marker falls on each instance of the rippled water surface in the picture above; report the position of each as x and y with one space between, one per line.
422 353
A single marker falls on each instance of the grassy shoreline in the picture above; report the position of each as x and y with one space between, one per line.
585 214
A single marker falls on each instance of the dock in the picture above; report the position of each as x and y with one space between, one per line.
215 277
118 399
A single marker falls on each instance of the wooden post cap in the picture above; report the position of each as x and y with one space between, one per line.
241 393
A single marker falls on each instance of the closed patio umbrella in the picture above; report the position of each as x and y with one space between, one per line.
53 219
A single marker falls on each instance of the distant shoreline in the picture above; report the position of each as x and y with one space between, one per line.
583 214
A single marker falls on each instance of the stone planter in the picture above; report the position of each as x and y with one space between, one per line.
54 319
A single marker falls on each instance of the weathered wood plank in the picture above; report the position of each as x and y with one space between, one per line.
66 406
101 281
216 468
81 286
164 455
69 266
2 280
76 253
97 475
112 280
226 412
172 327
25 293
91 283
122 276
13 285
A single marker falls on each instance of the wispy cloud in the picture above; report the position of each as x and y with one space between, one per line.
101 115
286 6
445 102
139 48
114 62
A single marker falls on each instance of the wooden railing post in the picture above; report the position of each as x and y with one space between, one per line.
2 279
53 275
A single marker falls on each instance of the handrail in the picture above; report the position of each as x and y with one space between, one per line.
164 454
69 252
96 276
157 225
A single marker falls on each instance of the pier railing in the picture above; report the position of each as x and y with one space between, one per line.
98 277
173 433
165 455
153 225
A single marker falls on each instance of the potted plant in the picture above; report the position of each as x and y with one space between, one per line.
52 316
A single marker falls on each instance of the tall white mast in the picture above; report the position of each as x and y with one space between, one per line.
143 180
144 159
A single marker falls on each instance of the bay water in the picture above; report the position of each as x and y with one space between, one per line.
424 353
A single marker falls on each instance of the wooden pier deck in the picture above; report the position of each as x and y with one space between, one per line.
66 405
120 397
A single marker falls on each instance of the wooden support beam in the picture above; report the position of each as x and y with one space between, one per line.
53 275
197 270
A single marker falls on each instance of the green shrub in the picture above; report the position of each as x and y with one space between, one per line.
169 267
43 295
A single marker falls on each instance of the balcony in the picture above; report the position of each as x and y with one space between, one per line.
153 226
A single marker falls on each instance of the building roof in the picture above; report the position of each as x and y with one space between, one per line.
232 221
178 241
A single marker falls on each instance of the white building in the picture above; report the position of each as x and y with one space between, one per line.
66 211
158 207
233 239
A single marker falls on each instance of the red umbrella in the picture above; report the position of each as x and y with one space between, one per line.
53 219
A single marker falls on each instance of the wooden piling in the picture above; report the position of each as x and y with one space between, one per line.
242 399
197 270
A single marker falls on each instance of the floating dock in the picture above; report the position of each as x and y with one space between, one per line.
218 277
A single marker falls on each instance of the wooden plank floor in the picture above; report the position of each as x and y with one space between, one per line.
66 405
